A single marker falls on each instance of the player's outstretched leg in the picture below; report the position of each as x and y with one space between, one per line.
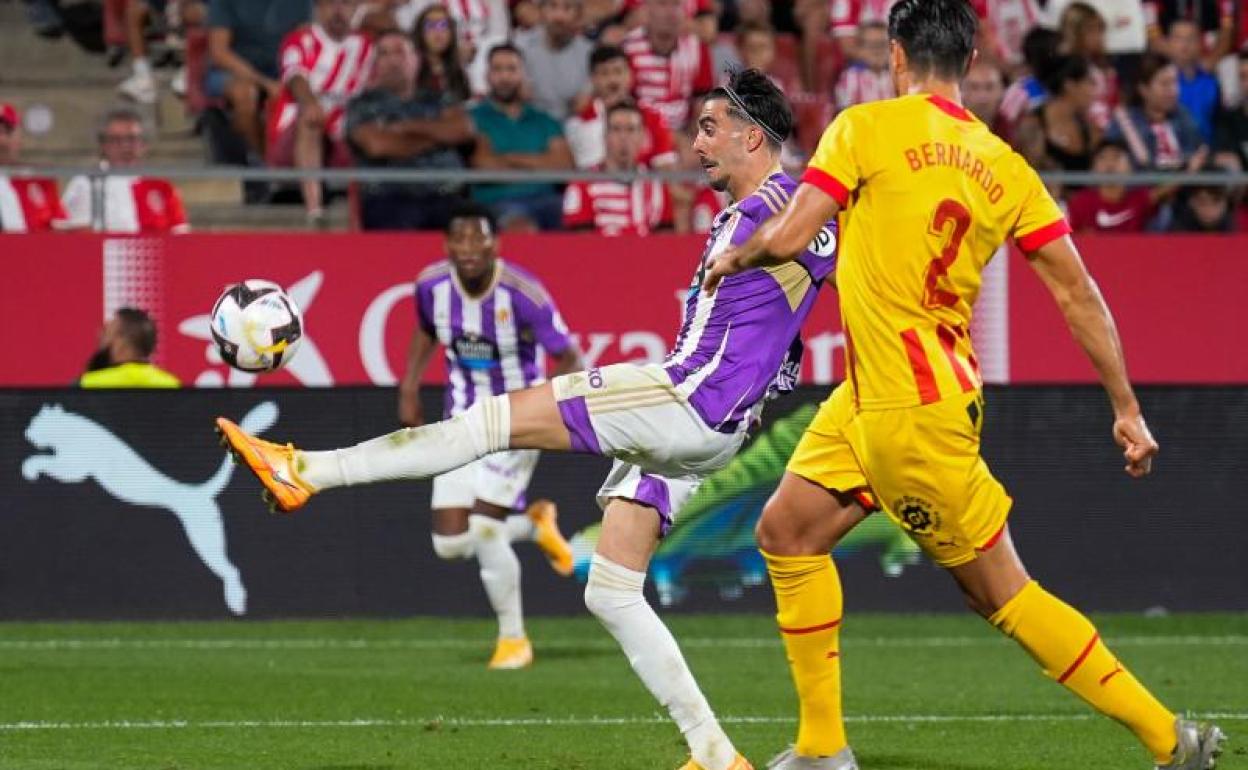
1068 647
630 532
526 419
799 527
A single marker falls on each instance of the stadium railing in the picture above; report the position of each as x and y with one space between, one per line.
347 176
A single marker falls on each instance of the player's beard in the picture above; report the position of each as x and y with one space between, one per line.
718 183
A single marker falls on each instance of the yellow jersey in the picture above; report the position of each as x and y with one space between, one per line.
132 375
929 194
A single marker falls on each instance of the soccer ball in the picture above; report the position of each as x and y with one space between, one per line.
257 326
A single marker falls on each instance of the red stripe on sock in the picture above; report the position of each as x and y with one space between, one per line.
1117 670
811 629
1079 660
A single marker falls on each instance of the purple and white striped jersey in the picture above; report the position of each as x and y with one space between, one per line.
495 343
733 344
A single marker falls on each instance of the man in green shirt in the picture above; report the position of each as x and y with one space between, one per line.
513 134
126 343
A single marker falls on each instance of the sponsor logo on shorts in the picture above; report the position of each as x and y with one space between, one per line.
595 378
917 515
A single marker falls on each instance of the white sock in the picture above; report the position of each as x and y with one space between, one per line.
142 67
452 547
614 595
414 453
520 527
500 572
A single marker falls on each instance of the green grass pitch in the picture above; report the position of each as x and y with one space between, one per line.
921 693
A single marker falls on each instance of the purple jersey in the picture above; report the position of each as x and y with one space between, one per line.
732 345
494 343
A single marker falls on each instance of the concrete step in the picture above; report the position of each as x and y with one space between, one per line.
26 56
62 121
269 218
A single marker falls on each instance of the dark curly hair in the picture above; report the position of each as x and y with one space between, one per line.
764 103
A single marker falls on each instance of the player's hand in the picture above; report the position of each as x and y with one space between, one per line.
411 413
1138 445
727 263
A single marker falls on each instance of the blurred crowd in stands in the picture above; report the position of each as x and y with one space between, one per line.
1109 86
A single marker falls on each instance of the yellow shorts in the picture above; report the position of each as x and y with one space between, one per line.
921 464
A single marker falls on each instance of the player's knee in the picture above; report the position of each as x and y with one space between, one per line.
778 534
985 601
453 547
595 601
606 594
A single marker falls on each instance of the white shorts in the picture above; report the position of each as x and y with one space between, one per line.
499 479
662 446
664 494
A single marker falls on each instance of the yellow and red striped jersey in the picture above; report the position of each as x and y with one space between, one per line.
929 194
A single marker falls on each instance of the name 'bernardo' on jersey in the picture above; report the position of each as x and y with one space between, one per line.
958 157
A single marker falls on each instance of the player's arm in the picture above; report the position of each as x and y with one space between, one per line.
780 239
838 166
568 361
552 334
419 353
1062 271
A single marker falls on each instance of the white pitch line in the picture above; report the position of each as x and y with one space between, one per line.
570 721
987 640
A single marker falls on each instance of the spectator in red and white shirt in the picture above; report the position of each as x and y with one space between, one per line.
323 65
633 12
670 67
756 42
846 16
132 204
27 203
619 208
1003 25
611 83
868 78
983 90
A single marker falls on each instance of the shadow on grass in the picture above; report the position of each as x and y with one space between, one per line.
898 762
575 653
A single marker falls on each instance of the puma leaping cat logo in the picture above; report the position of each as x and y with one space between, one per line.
82 449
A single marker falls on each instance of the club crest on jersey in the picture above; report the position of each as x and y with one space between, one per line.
503 315
917 515
824 244
475 352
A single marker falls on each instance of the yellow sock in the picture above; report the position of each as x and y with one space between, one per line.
1070 650
808 604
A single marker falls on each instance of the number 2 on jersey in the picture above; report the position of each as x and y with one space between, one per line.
948 211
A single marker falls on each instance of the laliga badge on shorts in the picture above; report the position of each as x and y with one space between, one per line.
916 515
